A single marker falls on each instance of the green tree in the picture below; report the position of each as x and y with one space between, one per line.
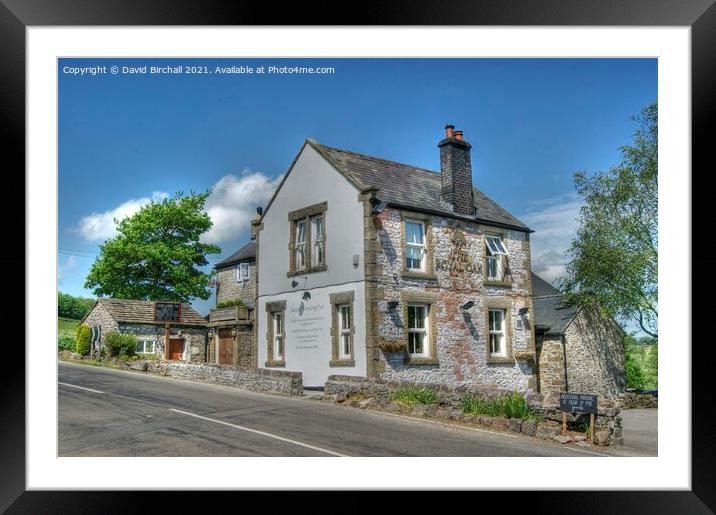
69 306
613 260
157 253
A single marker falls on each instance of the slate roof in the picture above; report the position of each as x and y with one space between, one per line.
551 314
540 287
408 186
142 312
245 253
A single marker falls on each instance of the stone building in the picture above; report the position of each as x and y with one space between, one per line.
577 349
372 268
231 323
187 335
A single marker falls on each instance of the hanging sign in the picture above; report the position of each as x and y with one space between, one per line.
167 311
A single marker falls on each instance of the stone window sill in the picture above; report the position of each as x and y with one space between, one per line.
421 361
497 283
407 274
342 363
311 270
275 364
497 360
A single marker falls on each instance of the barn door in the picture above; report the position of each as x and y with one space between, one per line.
226 347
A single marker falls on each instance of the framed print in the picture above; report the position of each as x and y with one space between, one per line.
271 136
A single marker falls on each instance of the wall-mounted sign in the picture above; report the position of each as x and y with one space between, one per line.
459 260
167 311
578 403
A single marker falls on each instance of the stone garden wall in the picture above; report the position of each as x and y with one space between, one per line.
256 380
377 393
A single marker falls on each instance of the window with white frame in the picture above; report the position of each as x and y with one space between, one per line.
145 346
319 248
418 330
498 345
345 325
496 253
278 335
242 272
300 258
415 246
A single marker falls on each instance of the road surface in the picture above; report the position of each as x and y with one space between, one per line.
106 412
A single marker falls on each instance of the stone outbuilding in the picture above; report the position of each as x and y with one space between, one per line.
187 335
578 350
231 323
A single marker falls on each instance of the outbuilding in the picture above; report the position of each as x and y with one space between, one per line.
578 349
170 330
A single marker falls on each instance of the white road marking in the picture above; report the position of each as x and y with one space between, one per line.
80 387
269 435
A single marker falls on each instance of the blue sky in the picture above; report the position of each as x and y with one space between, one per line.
125 139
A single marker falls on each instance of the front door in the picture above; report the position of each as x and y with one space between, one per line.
176 348
226 347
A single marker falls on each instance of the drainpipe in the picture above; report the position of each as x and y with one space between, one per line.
564 354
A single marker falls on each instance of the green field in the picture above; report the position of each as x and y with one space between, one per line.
66 326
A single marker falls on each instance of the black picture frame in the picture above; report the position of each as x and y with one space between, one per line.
700 15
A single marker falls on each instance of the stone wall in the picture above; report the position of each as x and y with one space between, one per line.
231 289
194 337
595 355
245 341
99 316
452 279
608 428
550 357
244 378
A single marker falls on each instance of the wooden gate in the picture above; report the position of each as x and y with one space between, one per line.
226 347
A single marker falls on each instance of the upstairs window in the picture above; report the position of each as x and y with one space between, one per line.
242 272
319 250
495 260
415 247
307 243
300 258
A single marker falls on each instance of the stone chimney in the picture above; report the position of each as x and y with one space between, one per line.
456 172
255 222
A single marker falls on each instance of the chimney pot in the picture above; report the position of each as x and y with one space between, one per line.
449 130
458 135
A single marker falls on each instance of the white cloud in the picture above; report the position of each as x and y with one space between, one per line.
101 226
554 221
68 265
232 204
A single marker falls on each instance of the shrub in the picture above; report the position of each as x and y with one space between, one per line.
121 345
413 396
82 341
513 406
516 406
480 406
66 342
229 304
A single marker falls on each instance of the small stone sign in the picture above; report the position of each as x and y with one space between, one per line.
578 403
167 311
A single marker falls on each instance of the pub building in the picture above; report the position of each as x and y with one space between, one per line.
372 268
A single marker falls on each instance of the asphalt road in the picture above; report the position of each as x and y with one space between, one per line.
640 427
105 412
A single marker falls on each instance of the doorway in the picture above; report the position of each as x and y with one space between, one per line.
226 347
176 348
